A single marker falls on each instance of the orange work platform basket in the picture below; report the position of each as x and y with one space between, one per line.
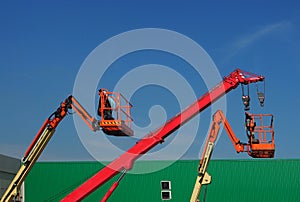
114 110
260 132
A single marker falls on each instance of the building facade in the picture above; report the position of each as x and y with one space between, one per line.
232 180
8 168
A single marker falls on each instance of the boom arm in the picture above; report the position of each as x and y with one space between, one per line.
126 160
203 177
218 119
40 142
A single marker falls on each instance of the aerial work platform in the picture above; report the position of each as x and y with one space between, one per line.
114 110
261 127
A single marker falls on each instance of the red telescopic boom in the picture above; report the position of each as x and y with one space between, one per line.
126 160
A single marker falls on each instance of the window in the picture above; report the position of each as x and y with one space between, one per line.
166 195
165 186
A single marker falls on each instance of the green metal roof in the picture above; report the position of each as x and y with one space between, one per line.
232 180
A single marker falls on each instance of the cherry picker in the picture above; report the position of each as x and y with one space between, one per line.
261 147
120 126
125 162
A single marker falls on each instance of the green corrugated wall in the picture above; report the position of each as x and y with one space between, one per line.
232 180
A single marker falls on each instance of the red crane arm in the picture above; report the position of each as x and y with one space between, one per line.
126 160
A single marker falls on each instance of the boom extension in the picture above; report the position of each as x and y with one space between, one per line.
218 119
40 142
118 128
126 160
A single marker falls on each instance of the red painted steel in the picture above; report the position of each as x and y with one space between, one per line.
126 160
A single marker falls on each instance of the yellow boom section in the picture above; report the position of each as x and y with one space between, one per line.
13 189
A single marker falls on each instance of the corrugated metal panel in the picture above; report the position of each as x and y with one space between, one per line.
49 181
254 180
232 180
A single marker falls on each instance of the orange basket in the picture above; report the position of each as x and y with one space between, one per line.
120 124
264 132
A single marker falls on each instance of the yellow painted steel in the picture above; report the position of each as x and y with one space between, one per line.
13 189
203 177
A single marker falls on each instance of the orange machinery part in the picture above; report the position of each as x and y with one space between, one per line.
121 123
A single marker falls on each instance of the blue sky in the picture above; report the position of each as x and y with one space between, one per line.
43 46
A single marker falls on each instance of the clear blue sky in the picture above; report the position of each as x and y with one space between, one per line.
43 45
